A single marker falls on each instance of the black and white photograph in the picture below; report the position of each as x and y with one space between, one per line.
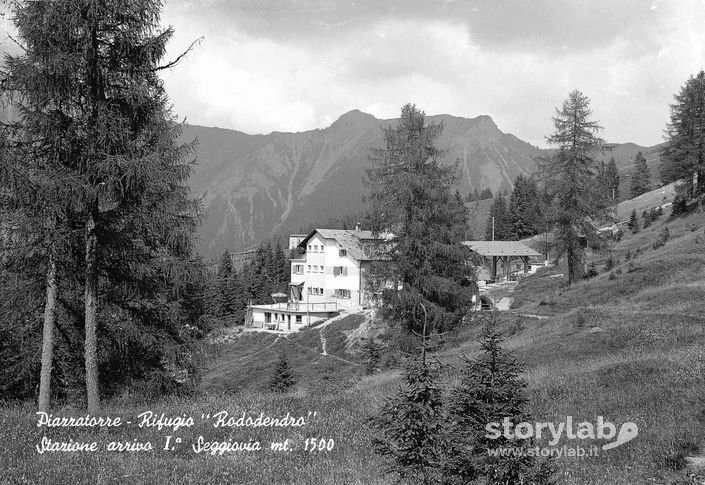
418 242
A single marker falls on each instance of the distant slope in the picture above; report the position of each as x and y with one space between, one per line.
649 200
624 154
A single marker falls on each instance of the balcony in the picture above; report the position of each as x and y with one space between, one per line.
302 306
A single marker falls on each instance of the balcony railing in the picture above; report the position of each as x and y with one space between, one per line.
302 306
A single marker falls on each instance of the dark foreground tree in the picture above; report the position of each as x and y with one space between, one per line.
89 99
491 390
683 156
411 433
412 198
570 178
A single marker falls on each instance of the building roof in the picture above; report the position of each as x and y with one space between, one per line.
501 248
360 245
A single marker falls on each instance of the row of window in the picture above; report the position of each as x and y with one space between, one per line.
338 293
315 268
318 248
279 317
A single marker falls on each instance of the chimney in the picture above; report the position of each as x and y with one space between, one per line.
357 226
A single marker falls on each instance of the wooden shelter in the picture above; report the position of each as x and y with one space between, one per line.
504 251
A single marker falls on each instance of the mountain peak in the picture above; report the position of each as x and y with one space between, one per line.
354 116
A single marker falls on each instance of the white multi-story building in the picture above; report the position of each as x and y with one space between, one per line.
329 277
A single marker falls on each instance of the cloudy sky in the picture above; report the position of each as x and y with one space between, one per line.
294 65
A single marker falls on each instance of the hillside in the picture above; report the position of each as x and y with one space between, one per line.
624 154
627 345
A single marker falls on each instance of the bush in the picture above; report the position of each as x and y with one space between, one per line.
491 389
410 430
634 222
612 276
679 205
663 236
282 377
592 271
372 353
628 256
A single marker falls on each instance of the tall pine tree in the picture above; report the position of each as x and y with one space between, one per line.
683 155
89 69
412 197
570 178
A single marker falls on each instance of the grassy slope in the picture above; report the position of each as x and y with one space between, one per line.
645 364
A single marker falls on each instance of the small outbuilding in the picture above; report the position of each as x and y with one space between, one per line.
504 252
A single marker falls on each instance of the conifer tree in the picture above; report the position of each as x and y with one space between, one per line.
634 222
612 180
525 207
282 377
411 432
499 222
491 390
683 155
640 176
570 178
646 215
412 197
89 69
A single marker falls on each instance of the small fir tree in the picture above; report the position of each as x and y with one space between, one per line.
646 215
282 377
491 390
410 430
634 222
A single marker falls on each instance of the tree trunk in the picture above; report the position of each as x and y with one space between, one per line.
91 305
571 263
48 337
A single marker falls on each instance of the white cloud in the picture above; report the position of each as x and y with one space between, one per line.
261 83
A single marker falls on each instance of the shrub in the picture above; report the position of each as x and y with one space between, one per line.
679 205
592 271
282 377
371 352
410 429
491 389
663 236
647 219
634 222
628 256
612 276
